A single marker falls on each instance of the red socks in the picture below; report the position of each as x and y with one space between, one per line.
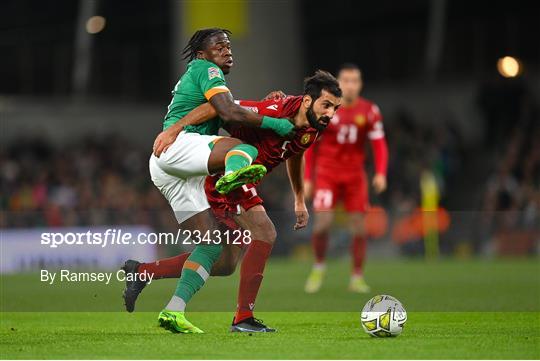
358 251
165 268
251 275
320 244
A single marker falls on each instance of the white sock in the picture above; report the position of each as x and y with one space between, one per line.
319 266
176 304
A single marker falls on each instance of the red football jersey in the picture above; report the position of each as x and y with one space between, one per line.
342 147
272 148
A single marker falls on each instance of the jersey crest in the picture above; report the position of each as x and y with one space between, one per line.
360 120
213 72
305 139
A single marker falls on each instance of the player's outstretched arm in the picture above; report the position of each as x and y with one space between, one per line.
229 111
295 171
379 147
380 155
199 115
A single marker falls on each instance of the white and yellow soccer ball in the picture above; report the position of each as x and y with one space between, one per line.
383 316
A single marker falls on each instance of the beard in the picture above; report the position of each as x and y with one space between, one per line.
316 123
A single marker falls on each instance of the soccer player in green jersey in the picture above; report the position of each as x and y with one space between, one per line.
311 113
197 152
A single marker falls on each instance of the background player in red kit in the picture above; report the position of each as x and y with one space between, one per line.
310 113
336 163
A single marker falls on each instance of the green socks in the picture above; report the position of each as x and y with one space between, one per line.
194 274
239 156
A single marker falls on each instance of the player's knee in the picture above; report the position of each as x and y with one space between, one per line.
270 237
357 227
358 231
321 228
264 232
269 233
225 144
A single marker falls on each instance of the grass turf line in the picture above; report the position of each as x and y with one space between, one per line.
332 335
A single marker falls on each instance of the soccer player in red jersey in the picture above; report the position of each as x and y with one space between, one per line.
336 163
243 208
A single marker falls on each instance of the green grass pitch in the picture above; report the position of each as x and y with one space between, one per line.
457 309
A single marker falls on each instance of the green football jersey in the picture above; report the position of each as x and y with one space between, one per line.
202 80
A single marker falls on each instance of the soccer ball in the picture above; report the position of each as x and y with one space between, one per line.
383 316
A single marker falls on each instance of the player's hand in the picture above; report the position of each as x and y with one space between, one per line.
308 189
163 142
302 216
275 95
379 183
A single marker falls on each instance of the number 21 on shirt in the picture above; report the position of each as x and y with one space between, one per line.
348 133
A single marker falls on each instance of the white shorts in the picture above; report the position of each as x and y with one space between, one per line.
180 172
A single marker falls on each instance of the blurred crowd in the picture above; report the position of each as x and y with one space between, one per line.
511 202
513 190
93 181
416 147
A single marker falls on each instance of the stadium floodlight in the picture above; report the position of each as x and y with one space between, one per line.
509 67
95 24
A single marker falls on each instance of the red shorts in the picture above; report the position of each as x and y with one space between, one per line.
331 187
225 206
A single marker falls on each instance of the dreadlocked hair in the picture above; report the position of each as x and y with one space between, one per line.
198 41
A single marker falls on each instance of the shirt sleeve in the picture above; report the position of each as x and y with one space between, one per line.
376 129
211 80
380 155
271 108
378 141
